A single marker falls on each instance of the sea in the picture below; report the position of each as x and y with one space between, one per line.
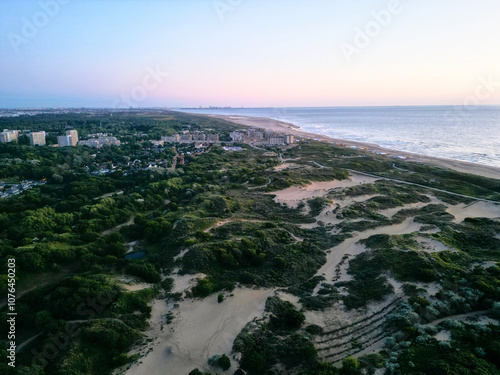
454 132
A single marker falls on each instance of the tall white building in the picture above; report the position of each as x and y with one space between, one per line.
236 136
64 140
70 139
277 140
8 135
37 138
74 136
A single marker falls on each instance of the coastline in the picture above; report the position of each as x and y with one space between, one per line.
280 126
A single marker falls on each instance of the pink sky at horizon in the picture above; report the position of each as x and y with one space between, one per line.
257 54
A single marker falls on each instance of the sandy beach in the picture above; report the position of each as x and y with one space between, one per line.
280 126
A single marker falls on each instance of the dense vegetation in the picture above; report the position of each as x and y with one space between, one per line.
107 215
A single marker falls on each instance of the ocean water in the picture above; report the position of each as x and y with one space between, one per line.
454 132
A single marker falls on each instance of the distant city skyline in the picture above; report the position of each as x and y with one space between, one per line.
260 53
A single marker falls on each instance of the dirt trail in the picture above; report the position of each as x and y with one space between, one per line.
227 221
117 228
459 317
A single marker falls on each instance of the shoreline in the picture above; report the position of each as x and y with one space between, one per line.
280 126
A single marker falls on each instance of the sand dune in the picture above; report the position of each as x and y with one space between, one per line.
477 209
293 195
201 328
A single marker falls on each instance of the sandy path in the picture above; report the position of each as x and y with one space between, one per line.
107 195
227 221
461 317
352 246
117 228
201 328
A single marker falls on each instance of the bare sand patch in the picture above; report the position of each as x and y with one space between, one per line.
136 287
477 209
294 300
443 335
293 195
351 246
200 329
132 284
327 216
486 264
431 245
341 327
130 246
431 288
181 254
390 212
184 282
284 166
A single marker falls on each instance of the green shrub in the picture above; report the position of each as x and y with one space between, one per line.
145 271
220 298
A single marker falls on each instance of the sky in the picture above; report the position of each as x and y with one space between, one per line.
251 53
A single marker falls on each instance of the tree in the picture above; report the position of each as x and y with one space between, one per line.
254 361
43 318
224 362
145 271
350 366
220 297
203 288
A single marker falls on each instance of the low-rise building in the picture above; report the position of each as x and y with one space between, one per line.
199 137
213 138
186 138
101 141
171 139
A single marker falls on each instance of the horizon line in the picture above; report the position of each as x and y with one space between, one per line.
259 107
